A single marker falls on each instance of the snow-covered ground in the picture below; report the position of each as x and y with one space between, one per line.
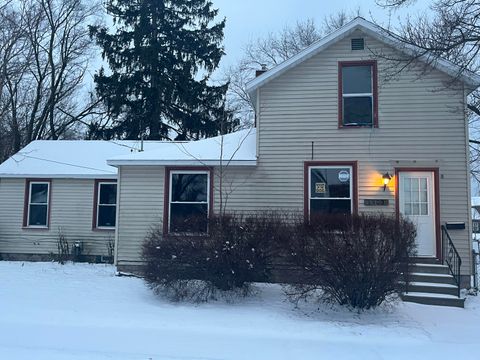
81 311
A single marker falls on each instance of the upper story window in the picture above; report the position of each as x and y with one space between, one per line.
37 204
105 205
358 94
189 201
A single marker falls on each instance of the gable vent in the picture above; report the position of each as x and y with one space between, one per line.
358 44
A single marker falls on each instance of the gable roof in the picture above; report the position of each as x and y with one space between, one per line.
238 149
69 158
369 28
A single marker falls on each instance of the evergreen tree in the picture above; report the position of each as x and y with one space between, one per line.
161 56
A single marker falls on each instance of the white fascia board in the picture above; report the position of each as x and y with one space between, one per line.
182 162
59 176
303 55
376 31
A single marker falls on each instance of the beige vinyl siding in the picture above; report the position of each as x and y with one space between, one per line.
141 207
419 126
71 212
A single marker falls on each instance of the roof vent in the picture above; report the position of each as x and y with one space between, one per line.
358 44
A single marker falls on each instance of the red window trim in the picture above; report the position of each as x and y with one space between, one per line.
308 164
166 190
436 189
95 204
26 201
342 64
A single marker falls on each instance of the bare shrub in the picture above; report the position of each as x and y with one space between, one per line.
63 248
236 252
357 261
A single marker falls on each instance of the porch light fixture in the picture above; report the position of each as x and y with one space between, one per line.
386 179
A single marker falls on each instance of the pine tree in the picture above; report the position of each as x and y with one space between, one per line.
161 56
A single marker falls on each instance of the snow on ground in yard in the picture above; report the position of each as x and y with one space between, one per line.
82 311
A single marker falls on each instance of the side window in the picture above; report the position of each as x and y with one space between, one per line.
357 100
189 203
38 204
106 206
330 190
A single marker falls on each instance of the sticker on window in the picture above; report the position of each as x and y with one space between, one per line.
344 176
320 188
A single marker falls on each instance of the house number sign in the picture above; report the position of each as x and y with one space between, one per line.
320 188
375 202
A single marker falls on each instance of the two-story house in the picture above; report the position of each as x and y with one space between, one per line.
337 130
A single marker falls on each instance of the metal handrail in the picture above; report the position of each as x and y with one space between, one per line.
451 257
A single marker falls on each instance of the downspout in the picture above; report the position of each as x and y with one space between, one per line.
117 217
257 121
469 190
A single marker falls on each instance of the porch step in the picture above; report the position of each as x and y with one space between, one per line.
426 260
431 284
432 288
433 299
428 268
431 278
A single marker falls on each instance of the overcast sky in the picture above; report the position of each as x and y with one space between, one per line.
248 20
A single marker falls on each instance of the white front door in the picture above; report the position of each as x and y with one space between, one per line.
417 203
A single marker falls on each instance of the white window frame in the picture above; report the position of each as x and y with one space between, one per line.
352 95
30 203
170 202
99 187
310 198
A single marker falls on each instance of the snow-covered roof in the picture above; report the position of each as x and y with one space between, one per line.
237 149
381 34
69 158
98 158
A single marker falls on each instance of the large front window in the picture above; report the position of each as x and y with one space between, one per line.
358 94
188 201
330 190
38 203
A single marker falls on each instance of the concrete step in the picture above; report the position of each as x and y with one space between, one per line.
431 278
425 260
433 288
433 299
429 268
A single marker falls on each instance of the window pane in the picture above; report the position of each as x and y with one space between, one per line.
424 195
415 184
108 194
357 79
39 193
190 218
329 182
106 216
357 110
423 209
189 187
37 215
318 206
408 209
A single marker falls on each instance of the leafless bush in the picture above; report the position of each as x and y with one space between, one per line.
63 248
355 261
236 252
